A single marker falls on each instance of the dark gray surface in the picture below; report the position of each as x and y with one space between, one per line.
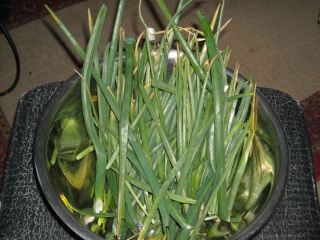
25 214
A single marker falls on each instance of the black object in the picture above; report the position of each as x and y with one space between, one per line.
25 213
16 57
6 8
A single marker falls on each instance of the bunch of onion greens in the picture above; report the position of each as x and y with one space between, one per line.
170 143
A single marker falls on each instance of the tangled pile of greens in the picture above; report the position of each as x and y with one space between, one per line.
155 150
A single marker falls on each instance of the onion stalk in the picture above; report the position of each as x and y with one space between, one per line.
172 144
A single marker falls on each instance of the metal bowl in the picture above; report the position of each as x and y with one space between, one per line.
52 188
